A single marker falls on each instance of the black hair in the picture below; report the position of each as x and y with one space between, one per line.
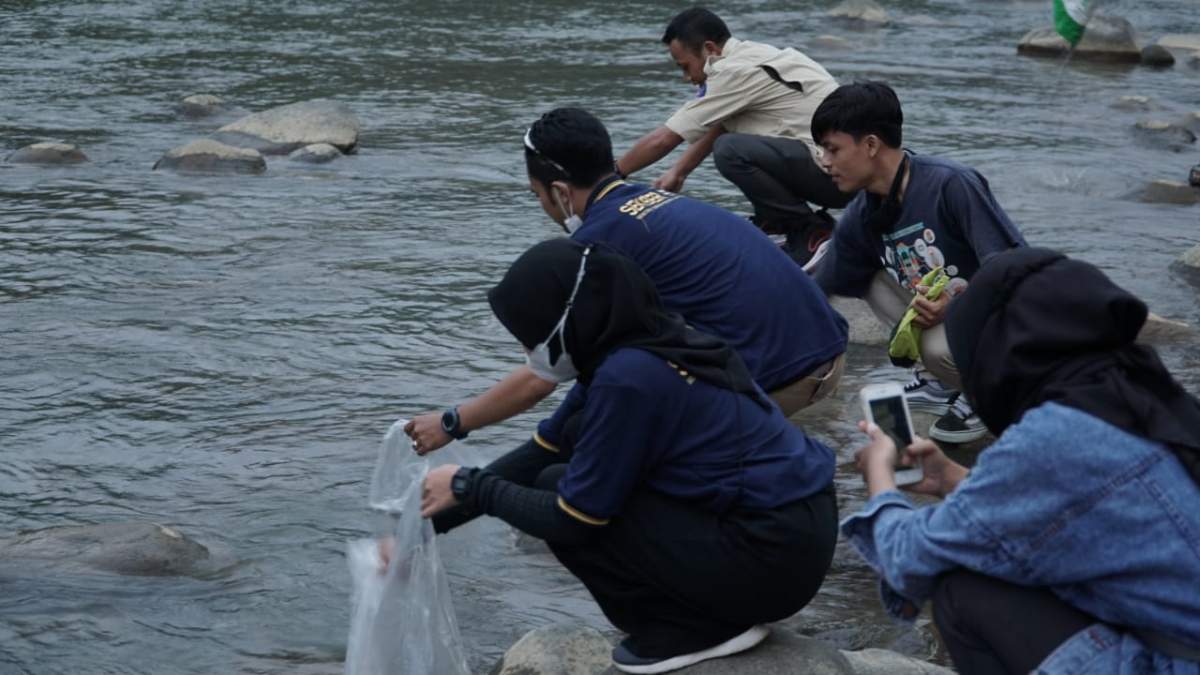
693 27
860 109
569 144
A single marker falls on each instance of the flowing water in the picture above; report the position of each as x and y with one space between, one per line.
223 354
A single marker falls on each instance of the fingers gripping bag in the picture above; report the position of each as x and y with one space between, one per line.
402 619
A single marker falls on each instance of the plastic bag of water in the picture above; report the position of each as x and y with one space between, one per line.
402 620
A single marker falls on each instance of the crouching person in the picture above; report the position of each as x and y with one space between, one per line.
689 507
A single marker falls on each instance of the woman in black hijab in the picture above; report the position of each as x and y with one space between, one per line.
1073 545
687 504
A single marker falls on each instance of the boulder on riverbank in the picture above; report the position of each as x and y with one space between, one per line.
861 13
1157 56
281 130
211 157
318 153
136 549
1108 38
575 650
201 105
1164 135
1169 192
865 329
50 154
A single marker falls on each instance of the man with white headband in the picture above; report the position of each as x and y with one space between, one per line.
712 267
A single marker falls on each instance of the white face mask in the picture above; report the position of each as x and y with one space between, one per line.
538 358
573 221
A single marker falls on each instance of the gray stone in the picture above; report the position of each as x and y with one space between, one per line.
281 130
209 156
1185 42
782 653
884 662
829 42
317 153
1161 331
1191 258
557 650
1191 122
1157 56
201 105
1193 61
1194 176
1169 192
1108 38
861 12
1165 135
1134 103
137 549
865 328
48 153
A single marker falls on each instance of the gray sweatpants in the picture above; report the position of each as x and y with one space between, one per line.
888 299
778 175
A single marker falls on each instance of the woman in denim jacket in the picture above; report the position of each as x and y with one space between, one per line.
1073 545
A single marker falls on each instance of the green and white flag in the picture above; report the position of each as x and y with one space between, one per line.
1070 18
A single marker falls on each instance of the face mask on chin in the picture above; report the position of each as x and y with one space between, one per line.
538 358
572 221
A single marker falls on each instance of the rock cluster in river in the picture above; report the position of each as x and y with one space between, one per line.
54 154
1108 38
132 548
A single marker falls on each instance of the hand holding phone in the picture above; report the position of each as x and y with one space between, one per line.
885 406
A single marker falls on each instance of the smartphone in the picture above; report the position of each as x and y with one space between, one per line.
885 405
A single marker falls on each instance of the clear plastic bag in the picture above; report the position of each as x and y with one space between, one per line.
402 619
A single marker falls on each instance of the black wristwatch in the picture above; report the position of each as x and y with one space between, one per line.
460 482
452 425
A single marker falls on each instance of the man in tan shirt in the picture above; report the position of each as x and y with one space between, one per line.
752 112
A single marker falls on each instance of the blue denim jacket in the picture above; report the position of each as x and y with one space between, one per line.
1110 522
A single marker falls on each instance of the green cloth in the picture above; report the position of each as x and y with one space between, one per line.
904 349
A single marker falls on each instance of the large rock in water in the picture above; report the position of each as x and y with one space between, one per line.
212 157
1165 135
201 105
1184 42
1191 258
60 154
1194 176
861 13
281 130
318 153
1157 56
1108 38
139 549
1169 192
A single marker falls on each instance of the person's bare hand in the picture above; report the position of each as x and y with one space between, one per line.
940 473
426 433
436 495
929 312
877 455
671 180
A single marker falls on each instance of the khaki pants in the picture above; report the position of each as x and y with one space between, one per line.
889 301
811 388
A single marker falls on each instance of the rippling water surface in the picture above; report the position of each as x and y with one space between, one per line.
223 354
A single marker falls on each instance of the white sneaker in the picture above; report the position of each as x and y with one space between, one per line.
628 662
928 395
959 425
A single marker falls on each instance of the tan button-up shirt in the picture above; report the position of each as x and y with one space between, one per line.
742 95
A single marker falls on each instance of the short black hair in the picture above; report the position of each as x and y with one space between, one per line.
860 109
693 27
569 144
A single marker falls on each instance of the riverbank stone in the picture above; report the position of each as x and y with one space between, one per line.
317 153
1163 134
865 328
53 154
1191 258
1108 38
129 548
863 13
281 130
201 105
1134 103
1157 56
557 650
1169 192
211 157
884 662
1191 122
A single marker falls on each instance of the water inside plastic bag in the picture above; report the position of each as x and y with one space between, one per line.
402 619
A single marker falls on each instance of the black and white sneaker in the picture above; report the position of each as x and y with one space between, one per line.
928 395
959 425
626 661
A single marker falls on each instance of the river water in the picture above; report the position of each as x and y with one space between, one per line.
223 354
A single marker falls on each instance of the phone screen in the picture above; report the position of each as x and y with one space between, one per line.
889 416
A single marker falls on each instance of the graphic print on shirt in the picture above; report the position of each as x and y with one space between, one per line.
910 253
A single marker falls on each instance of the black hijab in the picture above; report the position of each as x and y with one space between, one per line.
1035 326
616 306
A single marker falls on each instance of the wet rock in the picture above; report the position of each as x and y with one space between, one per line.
1169 192
59 154
201 105
137 549
1187 42
1193 61
865 329
1161 331
557 650
829 42
1157 56
782 653
1191 258
281 130
1134 103
1191 122
1194 176
317 153
883 662
1165 135
1108 38
861 13
211 157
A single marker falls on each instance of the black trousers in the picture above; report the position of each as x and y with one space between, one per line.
778 175
990 626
